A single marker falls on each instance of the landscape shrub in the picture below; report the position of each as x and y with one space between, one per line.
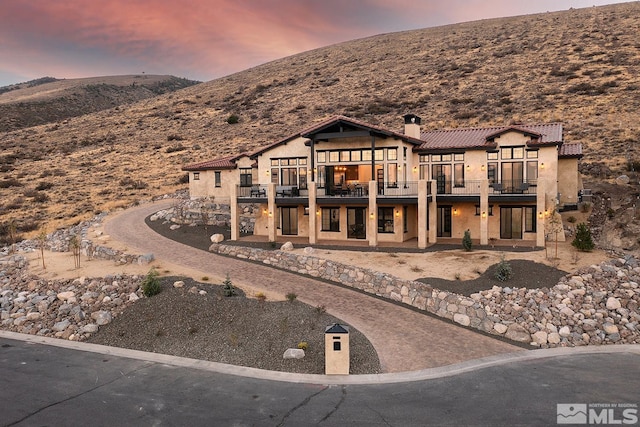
175 148
303 345
228 290
503 270
10 182
466 240
44 185
583 241
233 119
151 284
571 219
291 297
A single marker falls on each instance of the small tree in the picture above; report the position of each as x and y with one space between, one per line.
503 270
42 240
583 241
466 240
228 290
151 285
75 244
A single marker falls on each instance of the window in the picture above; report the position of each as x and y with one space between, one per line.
458 175
356 156
405 218
196 176
379 154
218 179
275 176
345 156
529 219
459 157
289 176
478 210
322 156
492 172
274 162
246 177
532 171
508 153
532 154
366 155
492 155
392 173
302 161
334 156
320 178
424 158
303 178
330 219
385 220
424 171
392 154
404 153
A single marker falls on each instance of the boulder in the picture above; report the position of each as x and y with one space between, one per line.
145 259
308 250
517 333
178 284
613 303
61 326
500 328
102 317
623 180
293 353
66 296
217 238
462 319
540 337
288 246
174 227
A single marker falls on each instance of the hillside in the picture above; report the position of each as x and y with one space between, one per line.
580 67
48 99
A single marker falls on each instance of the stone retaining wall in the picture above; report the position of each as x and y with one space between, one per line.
201 211
596 306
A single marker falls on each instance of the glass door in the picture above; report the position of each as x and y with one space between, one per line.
442 175
289 220
511 223
444 221
356 223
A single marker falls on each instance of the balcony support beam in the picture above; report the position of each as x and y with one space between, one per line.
272 215
313 217
484 212
372 228
235 212
422 214
433 213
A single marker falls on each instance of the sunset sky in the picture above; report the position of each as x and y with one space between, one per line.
206 39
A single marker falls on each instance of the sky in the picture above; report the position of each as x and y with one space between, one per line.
206 39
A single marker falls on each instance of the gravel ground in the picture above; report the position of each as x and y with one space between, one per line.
235 330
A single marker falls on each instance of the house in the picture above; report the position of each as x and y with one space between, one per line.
344 179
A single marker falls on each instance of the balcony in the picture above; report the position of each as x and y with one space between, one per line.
252 192
513 186
398 189
355 189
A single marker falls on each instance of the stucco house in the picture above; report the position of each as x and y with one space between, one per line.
344 179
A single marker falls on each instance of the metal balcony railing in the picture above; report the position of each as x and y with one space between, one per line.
257 191
353 189
513 186
398 189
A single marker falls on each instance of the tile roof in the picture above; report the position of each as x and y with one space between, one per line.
228 162
465 138
573 149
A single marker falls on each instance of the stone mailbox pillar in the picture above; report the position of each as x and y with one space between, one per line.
336 350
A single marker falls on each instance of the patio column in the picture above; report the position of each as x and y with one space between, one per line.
433 213
313 228
372 228
484 212
540 214
235 212
422 214
271 219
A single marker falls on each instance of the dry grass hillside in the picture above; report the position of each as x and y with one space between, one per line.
580 67
48 99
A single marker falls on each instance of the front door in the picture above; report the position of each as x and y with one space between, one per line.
356 223
511 223
289 220
444 221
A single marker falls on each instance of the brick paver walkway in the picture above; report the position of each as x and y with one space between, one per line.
404 339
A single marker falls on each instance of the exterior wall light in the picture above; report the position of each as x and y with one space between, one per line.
482 167
415 169
484 214
541 165
540 215
397 213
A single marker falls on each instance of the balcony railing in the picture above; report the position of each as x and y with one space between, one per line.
465 188
398 189
353 189
257 191
513 186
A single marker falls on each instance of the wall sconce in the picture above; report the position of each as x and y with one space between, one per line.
270 214
455 211
484 214
482 167
415 169
264 211
266 173
540 215
541 165
546 213
399 167
397 213
468 168
318 212
371 215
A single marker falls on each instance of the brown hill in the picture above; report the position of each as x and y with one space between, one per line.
48 99
580 67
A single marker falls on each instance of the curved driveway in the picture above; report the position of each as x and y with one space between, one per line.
404 339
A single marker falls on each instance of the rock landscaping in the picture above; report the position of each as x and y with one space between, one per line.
598 305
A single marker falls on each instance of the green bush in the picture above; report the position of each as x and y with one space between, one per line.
583 241
503 270
151 285
228 290
291 297
466 240
233 119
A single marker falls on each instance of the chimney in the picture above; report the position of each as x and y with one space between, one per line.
412 126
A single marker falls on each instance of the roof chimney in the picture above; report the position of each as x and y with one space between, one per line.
412 126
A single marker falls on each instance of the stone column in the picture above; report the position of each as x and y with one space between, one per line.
313 228
484 212
272 213
433 213
422 213
235 214
372 229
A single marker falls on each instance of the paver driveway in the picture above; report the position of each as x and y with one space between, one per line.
404 339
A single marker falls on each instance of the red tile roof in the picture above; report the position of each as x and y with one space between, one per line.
228 162
465 138
572 150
